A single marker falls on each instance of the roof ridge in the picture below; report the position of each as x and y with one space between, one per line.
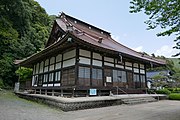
68 16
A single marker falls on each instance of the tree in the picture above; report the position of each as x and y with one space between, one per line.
24 73
176 75
159 80
162 13
24 30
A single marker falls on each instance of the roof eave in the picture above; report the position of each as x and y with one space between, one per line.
39 54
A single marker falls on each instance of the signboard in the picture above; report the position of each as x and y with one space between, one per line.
108 79
92 91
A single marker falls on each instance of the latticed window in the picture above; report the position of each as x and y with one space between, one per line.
84 76
40 80
137 81
119 78
45 78
68 77
97 77
57 76
51 77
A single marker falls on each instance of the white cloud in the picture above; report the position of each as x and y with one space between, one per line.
166 51
138 49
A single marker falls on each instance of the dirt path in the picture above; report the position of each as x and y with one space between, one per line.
14 108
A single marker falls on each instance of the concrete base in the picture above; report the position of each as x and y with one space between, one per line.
70 104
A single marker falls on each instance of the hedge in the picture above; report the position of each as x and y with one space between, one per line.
163 91
174 90
174 96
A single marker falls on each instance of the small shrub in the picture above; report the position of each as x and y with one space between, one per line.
174 96
174 90
163 91
151 91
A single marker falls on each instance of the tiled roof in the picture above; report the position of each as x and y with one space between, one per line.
91 34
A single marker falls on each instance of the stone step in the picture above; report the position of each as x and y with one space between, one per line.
138 100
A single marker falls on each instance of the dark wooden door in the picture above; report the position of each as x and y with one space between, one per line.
130 80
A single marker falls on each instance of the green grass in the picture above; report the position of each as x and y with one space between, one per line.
9 95
174 96
11 98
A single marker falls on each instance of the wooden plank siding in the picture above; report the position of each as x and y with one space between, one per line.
99 73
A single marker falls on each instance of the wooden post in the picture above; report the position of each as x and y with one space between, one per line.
61 93
99 93
73 92
35 91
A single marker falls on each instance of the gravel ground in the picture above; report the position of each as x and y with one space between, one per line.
14 108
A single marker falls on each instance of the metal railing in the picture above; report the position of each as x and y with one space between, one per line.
121 90
156 95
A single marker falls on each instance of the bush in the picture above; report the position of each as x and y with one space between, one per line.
151 91
163 91
174 96
174 90
177 90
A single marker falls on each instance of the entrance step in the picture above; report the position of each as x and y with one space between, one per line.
138 100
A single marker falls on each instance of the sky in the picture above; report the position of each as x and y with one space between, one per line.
113 16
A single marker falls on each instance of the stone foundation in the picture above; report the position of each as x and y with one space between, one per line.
70 106
79 103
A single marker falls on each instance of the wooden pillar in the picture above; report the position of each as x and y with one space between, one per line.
99 92
77 65
52 92
103 75
45 92
139 75
146 87
91 69
87 93
73 90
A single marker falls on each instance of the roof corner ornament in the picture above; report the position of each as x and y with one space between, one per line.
69 28
142 55
100 40
69 39
61 14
